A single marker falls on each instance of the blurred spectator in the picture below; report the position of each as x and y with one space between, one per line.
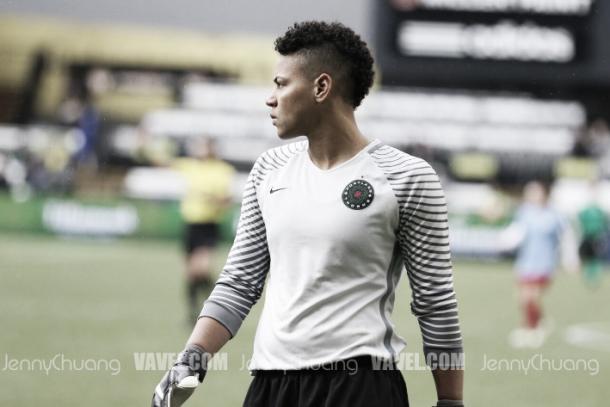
595 238
540 228
80 111
88 123
50 168
208 195
593 141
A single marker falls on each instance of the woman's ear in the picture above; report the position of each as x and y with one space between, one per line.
322 87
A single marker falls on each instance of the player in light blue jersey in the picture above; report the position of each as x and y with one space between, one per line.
541 228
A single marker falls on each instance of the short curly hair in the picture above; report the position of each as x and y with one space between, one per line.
333 47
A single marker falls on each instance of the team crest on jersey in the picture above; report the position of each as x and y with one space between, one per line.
358 194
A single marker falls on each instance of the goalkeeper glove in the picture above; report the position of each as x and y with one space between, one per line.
181 380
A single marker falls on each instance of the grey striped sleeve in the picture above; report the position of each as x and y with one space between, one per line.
423 235
241 282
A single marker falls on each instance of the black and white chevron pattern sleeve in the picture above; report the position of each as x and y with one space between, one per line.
423 236
241 282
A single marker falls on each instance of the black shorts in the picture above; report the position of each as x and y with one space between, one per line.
593 247
338 385
198 235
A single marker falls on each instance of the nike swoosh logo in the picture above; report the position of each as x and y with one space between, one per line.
275 190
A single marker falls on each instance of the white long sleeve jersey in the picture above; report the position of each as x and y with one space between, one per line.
331 245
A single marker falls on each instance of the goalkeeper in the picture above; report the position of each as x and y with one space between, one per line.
330 222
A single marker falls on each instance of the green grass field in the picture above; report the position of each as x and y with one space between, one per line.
106 300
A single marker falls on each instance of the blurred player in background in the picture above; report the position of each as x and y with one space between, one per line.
329 222
207 197
595 238
540 228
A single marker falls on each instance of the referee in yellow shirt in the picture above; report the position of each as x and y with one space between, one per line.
207 197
